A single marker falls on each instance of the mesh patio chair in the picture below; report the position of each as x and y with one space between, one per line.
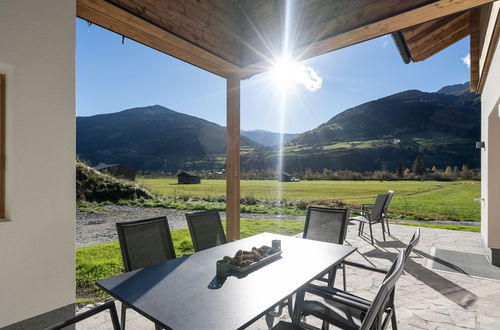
385 212
206 229
144 243
342 296
327 225
352 312
85 315
373 216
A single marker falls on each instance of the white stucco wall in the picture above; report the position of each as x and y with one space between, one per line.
37 243
490 158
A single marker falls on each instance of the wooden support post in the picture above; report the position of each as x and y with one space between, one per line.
233 158
474 49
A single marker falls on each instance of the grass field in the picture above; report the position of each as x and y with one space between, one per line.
427 200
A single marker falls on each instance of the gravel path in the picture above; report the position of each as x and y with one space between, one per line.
99 226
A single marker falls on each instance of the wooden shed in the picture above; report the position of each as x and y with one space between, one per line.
117 170
285 177
185 177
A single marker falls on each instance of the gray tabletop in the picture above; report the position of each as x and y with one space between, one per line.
184 293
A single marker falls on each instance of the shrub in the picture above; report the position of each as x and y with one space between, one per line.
94 186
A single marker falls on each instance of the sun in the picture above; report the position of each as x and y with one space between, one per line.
285 73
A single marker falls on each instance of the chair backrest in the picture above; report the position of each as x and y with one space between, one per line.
326 224
390 193
374 318
206 229
413 242
378 208
145 242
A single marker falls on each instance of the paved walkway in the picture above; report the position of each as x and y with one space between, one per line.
425 298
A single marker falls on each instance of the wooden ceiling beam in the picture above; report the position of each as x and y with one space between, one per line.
439 42
397 21
111 17
436 35
474 49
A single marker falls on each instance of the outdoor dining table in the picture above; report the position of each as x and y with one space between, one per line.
185 293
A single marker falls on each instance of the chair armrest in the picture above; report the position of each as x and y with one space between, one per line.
367 206
370 268
326 293
85 315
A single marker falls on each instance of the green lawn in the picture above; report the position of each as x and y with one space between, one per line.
428 200
104 260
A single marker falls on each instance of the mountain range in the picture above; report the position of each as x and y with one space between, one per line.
151 138
441 127
267 138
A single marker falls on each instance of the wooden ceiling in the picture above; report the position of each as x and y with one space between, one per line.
243 37
429 38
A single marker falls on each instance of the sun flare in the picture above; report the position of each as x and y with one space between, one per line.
286 73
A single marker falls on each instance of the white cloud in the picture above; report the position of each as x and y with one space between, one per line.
288 72
310 78
466 60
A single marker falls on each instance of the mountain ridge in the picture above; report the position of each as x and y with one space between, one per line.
440 126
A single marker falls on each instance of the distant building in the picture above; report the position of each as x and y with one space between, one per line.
117 170
285 177
185 177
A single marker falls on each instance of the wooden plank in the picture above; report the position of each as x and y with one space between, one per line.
474 49
233 158
122 22
199 22
395 22
439 39
423 33
491 37
2 144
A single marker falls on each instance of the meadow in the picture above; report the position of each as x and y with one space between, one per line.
426 200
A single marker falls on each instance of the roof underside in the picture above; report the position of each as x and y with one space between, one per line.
244 37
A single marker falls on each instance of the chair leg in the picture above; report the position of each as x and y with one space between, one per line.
331 276
359 229
123 315
394 322
290 306
387 225
344 277
383 228
371 232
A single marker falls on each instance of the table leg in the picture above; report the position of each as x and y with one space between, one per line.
297 310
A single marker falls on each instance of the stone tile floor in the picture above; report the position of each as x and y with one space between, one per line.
425 298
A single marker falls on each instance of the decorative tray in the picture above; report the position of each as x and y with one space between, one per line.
246 261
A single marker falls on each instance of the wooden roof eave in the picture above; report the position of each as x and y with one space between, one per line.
118 20
399 21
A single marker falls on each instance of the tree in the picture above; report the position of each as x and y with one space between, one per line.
418 166
400 170
434 169
448 171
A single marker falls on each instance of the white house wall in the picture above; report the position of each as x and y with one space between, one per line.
37 238
490 177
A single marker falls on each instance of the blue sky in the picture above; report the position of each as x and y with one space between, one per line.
112 77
